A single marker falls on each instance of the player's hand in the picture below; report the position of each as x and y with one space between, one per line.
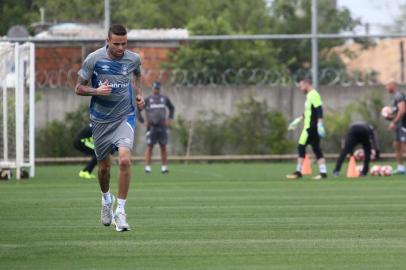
104 89
377 154
293 125
168 122
320 130
140 101
392 126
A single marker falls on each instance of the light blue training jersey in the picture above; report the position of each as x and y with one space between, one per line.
97 68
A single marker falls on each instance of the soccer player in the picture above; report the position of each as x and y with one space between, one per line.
398 123
313 130
157 122
114 73
358 133
83 142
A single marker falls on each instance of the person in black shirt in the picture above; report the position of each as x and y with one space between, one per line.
359 133
84 143
157 121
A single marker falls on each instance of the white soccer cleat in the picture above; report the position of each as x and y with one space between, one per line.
120 220
106 214
147 169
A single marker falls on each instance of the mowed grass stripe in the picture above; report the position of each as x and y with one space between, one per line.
220 216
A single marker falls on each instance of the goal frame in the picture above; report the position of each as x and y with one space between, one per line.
21 82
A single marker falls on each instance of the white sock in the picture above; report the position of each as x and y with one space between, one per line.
148 168
323 168
401 168
164 168
298 167
120 206
106 198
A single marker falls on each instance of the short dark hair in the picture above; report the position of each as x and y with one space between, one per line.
117 29
156 85
306 80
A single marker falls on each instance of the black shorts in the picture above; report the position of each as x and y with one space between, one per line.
157 134
400 134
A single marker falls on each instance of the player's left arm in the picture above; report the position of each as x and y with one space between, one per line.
171 109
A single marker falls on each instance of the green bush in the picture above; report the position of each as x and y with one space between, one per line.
55 140
256 130
253 129
209 134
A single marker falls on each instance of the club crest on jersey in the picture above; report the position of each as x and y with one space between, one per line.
124 70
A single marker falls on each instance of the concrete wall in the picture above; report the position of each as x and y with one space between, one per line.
190 102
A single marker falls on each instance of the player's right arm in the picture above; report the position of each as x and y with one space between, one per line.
82 88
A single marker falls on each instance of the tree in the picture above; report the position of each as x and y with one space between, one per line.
294 17
214 57
89 11
12 14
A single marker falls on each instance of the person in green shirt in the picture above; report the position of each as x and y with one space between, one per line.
313 130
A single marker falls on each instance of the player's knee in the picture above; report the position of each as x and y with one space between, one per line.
104 169
396 145
125 162
318 153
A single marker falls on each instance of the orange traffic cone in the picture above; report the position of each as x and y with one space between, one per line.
352 171
307 166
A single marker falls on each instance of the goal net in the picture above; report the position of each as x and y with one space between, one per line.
17 101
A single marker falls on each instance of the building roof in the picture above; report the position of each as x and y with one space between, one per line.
75 30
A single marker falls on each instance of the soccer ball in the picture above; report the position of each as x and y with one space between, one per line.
5 174
386 170
359 154
387 112
375 170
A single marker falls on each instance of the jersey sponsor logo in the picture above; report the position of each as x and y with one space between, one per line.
105 68
115 85
157 106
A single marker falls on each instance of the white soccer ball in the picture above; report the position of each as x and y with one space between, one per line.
386 170
375 170
387 112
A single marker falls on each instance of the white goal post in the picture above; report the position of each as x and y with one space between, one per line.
17 103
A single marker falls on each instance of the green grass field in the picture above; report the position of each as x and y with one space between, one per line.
221 216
